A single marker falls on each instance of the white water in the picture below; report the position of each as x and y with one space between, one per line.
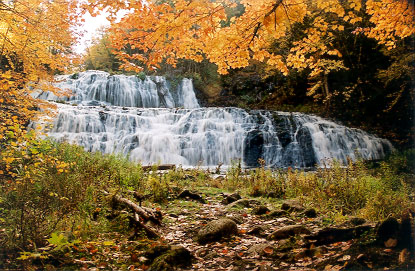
191 135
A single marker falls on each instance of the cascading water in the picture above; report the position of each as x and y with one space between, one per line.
148 121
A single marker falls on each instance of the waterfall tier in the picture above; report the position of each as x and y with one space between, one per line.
101 88
124 114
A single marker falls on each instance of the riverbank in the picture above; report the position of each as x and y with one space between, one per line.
73 216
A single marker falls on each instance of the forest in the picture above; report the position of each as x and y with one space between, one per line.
266 72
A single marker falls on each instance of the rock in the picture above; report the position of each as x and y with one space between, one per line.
237 218
159 167
275 195
186 194
257 231
277 213
216 230
156 251
331 235
406 231
292 205
176 256
389 228
356 221
261 250
247 203
228 199
288 231
253 149
310 213
260 210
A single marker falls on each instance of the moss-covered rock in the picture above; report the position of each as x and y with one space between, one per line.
216 230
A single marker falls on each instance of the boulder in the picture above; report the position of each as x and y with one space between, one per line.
356 221
260 210
277 213
288 231
228 199
310 213
216 230
331 235
186 194
246 203
173 258
257 231
389 228
292 205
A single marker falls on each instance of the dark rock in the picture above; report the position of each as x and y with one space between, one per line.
160 167
356 221
288 231
216 230
176 256
405 232
156 251
257 231
254 142
275 194
228 199
311 213
186 194
292 205
277 213
247 203
331 235
389 228
260 210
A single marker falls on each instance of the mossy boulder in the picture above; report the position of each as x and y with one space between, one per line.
216 230
171 258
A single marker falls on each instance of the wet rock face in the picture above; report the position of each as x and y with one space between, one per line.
216 230
254 143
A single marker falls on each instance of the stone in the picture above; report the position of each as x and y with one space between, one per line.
247 203
331 235
288 231
292 205
228 199
257 231
406 231
260 210
216 230
389 228
175 256
356 221
261 250
277 213
239 219
310 213
186 194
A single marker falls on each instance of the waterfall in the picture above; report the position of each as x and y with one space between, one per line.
152 123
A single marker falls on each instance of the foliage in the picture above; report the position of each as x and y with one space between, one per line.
99 55
335 190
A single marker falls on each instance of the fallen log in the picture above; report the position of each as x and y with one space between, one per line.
146 214
141 215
